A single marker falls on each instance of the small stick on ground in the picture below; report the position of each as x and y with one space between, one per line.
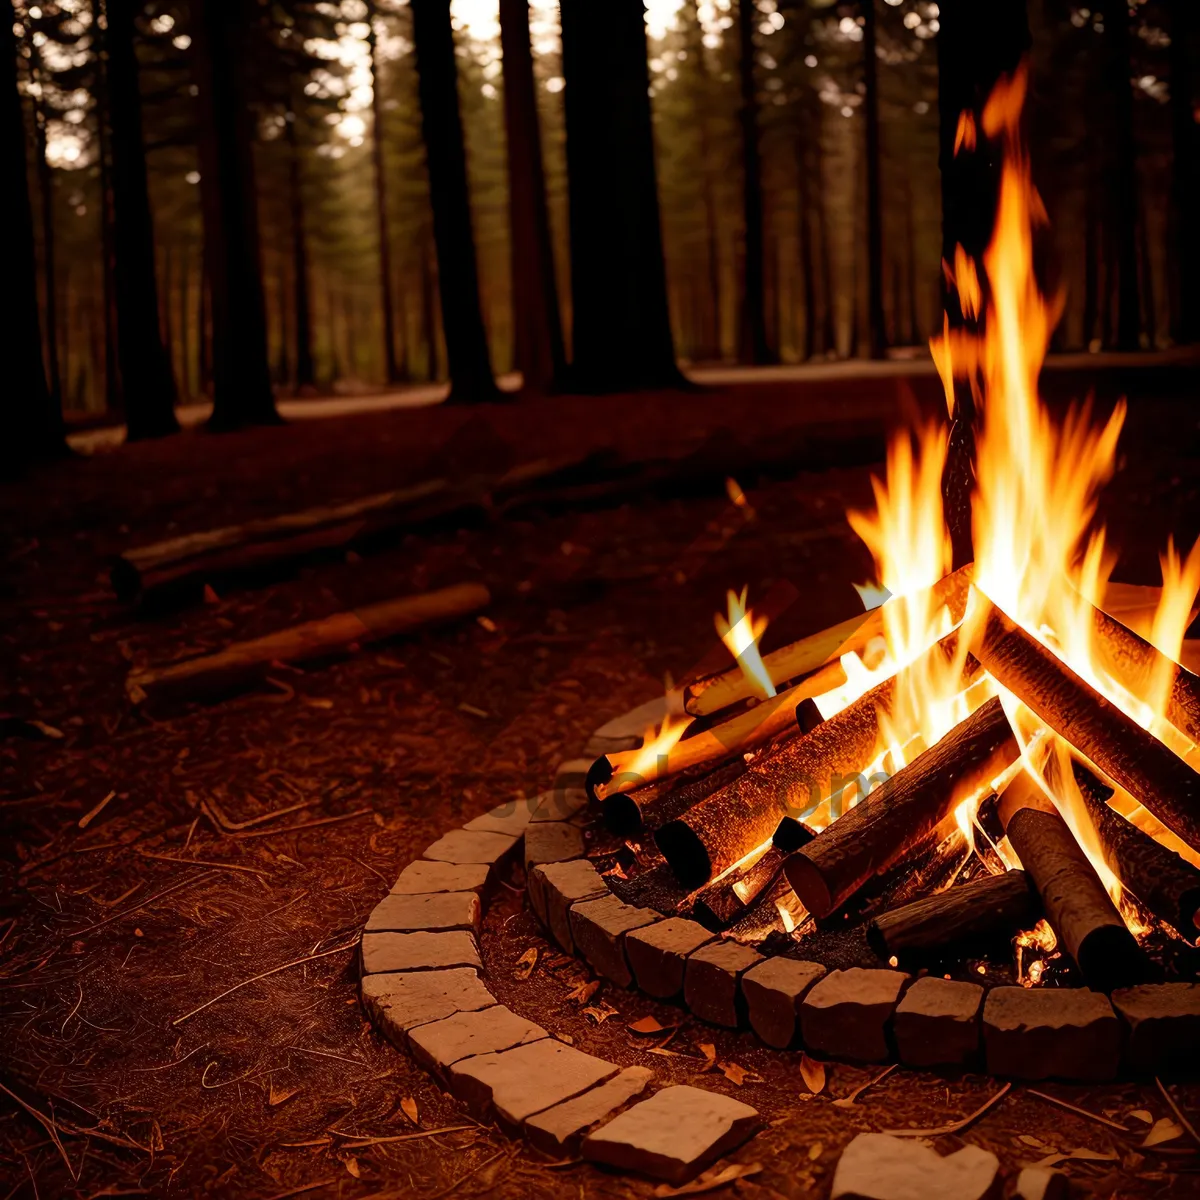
396 1137
957 1126
1082 1112
848 1101
49 1126
125 912
89 816
1177 1111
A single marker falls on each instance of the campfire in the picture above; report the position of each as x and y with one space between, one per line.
1002 748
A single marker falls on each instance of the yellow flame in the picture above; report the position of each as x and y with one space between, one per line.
657 742
741 631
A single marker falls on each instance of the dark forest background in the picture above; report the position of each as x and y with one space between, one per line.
232 198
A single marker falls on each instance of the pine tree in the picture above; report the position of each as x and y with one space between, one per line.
754 327
1185 174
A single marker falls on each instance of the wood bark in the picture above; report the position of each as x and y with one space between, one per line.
711 693
633 815
540 356
622 337
903 812
147 379
1086 922
241 372
471 379
1099 730
33 416
755 347
876 325
970 915
246 662
304 374
724 901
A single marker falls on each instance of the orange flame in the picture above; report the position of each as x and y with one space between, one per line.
740 632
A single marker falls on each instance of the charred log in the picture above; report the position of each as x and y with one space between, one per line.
903 812
722 902
631 815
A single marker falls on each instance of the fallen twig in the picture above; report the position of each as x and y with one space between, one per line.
395 1137
92 814
47 1124
848 1101
175 887
1177 1111
957 1126
1083 1112
358 812
202 862
296 962
463 1178
214 810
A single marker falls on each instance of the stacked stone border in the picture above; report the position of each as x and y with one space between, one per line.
423 985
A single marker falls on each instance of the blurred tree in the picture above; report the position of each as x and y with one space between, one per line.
146 379
34 419
621 328
471 379
755 347
876 322
1185 177
537 324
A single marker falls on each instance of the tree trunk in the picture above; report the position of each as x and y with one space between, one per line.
1185 178
241 372
471 379
114 401
391 368
306 375
1122 184
755 347
147 381
49 249
805 233
34 422
876 332
204 322
540 356
622 327
185 326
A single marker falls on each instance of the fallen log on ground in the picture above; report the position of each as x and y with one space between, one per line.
712 693
969 915
903 812
1079 909
780 716
247 662
1097 728
1165 884
791 781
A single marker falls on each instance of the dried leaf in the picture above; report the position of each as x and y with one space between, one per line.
664 1053
352 1167
1052 1160
710 1056
734 1073
1164 1130
600 1012
565 1037
815 1151
1030 1140
408 1106
278 1096
584 992
712 1179
646 1027
526 963
813 1074
1142 1115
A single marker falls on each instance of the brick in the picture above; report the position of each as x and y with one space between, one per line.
515 1084
425 876
674 1135
774 990
471 846
875 1166
598 928
937 1023
509 819
433 910
552 841
711 982
554 887
1036 1183
440 1044
418 951
559 1130
1045 1033
1164 1025
658 953
845 1015
400 1001
571 774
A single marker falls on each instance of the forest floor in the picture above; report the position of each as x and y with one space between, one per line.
114 929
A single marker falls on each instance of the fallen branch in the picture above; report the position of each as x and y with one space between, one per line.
954 1126
247 662
1082 1112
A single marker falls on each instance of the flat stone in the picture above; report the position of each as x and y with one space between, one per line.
1044 1033
674 1135
515 1084
559 1130
402 1000
774 991
571 774
552 841
509 819
710 982
1164 1025
658 954
875 1166
554 887
471 846
440 1044
425 876
1036 1183
561 804
634 723
845 1015
937 1022
598 928
418 951
425 910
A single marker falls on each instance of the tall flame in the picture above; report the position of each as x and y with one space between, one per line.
741 631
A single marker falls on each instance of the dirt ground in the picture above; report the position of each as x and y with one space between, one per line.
143 1056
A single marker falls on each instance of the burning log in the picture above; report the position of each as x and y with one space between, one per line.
246 662
794 777
903 812
997 905
629 815
780 716
712 693
1081 913
724 900
1096 727
1167 885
